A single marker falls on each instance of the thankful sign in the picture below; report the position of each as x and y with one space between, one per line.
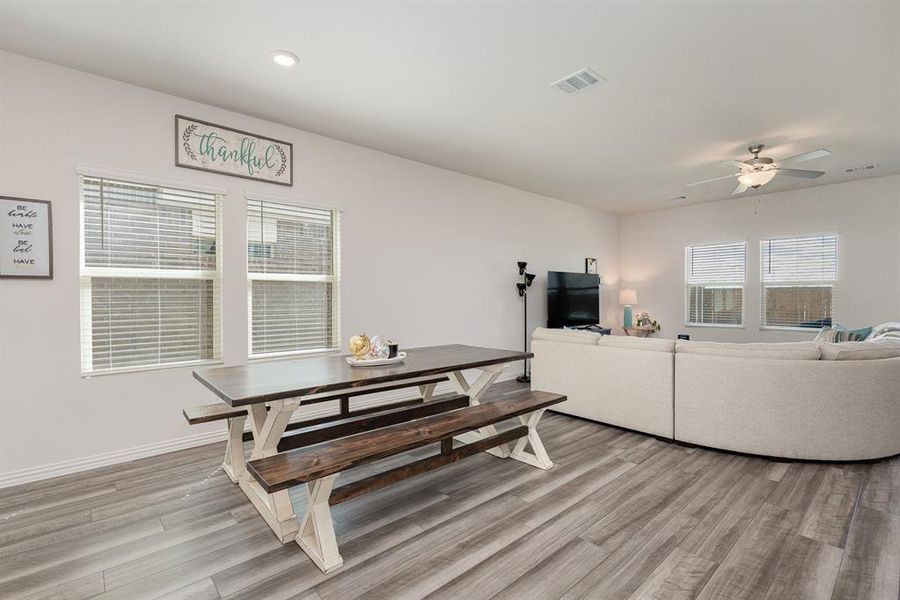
211 147
25 240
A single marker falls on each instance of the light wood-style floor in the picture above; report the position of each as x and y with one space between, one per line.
621 515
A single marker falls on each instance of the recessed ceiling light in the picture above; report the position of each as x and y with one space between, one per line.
284 58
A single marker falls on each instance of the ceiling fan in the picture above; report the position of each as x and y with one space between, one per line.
760 170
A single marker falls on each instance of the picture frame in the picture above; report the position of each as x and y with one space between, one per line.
215 148
590 265
26 238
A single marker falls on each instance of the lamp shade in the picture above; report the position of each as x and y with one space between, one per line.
627 296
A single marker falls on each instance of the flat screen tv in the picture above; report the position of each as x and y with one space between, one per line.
573 299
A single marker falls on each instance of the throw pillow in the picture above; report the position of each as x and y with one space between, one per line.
891 329
829 334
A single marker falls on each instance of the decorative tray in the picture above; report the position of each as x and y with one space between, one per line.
374 362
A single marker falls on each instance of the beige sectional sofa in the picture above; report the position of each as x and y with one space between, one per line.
798 400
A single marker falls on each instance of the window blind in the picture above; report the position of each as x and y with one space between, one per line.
293 268
149 276
798 277
800 259
714 284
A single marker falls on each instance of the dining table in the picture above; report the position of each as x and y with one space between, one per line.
276 393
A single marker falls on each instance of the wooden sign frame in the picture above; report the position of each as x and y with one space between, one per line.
186 156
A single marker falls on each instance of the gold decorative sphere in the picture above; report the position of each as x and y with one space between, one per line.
360 345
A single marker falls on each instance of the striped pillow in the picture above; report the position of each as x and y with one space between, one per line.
842 335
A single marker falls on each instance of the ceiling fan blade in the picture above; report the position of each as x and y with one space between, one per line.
801 173
734 163
714 179
740 189
805 156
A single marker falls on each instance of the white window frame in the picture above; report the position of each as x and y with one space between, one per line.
727 285
87 273
796 284
334 279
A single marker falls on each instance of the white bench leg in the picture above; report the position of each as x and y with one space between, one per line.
268 427
538 456
316 536
475 391
234 464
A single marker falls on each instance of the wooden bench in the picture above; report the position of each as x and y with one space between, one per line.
319 465
311 431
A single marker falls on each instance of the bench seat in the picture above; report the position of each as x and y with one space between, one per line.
294 467
221 411
212 412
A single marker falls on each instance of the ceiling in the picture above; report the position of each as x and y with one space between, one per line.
465 86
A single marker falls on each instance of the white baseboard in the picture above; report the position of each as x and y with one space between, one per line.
107 458
199 439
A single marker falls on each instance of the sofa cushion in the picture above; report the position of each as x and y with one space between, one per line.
637 343
571 336
882 347
839 334
785 351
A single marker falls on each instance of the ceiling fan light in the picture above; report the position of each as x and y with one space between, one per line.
757 178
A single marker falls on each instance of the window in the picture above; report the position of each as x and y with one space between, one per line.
294 284
798 277
714 284
149 276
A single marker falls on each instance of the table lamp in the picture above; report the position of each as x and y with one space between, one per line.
628 297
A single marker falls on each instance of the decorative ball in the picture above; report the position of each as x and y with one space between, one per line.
359 345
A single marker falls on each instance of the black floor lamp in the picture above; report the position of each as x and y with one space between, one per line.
523 286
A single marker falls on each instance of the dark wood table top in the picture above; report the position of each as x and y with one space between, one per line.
277 380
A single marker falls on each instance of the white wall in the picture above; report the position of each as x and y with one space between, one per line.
865 214
428 255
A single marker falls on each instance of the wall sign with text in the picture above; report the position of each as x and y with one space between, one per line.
220 149
26 238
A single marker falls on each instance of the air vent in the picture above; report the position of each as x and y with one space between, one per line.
578 81
861 168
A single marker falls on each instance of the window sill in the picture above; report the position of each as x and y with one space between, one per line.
806 329
292 354
715 325
145 369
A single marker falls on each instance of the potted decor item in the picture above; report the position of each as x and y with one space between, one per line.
372 352
645 320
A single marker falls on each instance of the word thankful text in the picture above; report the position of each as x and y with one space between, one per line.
216 148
